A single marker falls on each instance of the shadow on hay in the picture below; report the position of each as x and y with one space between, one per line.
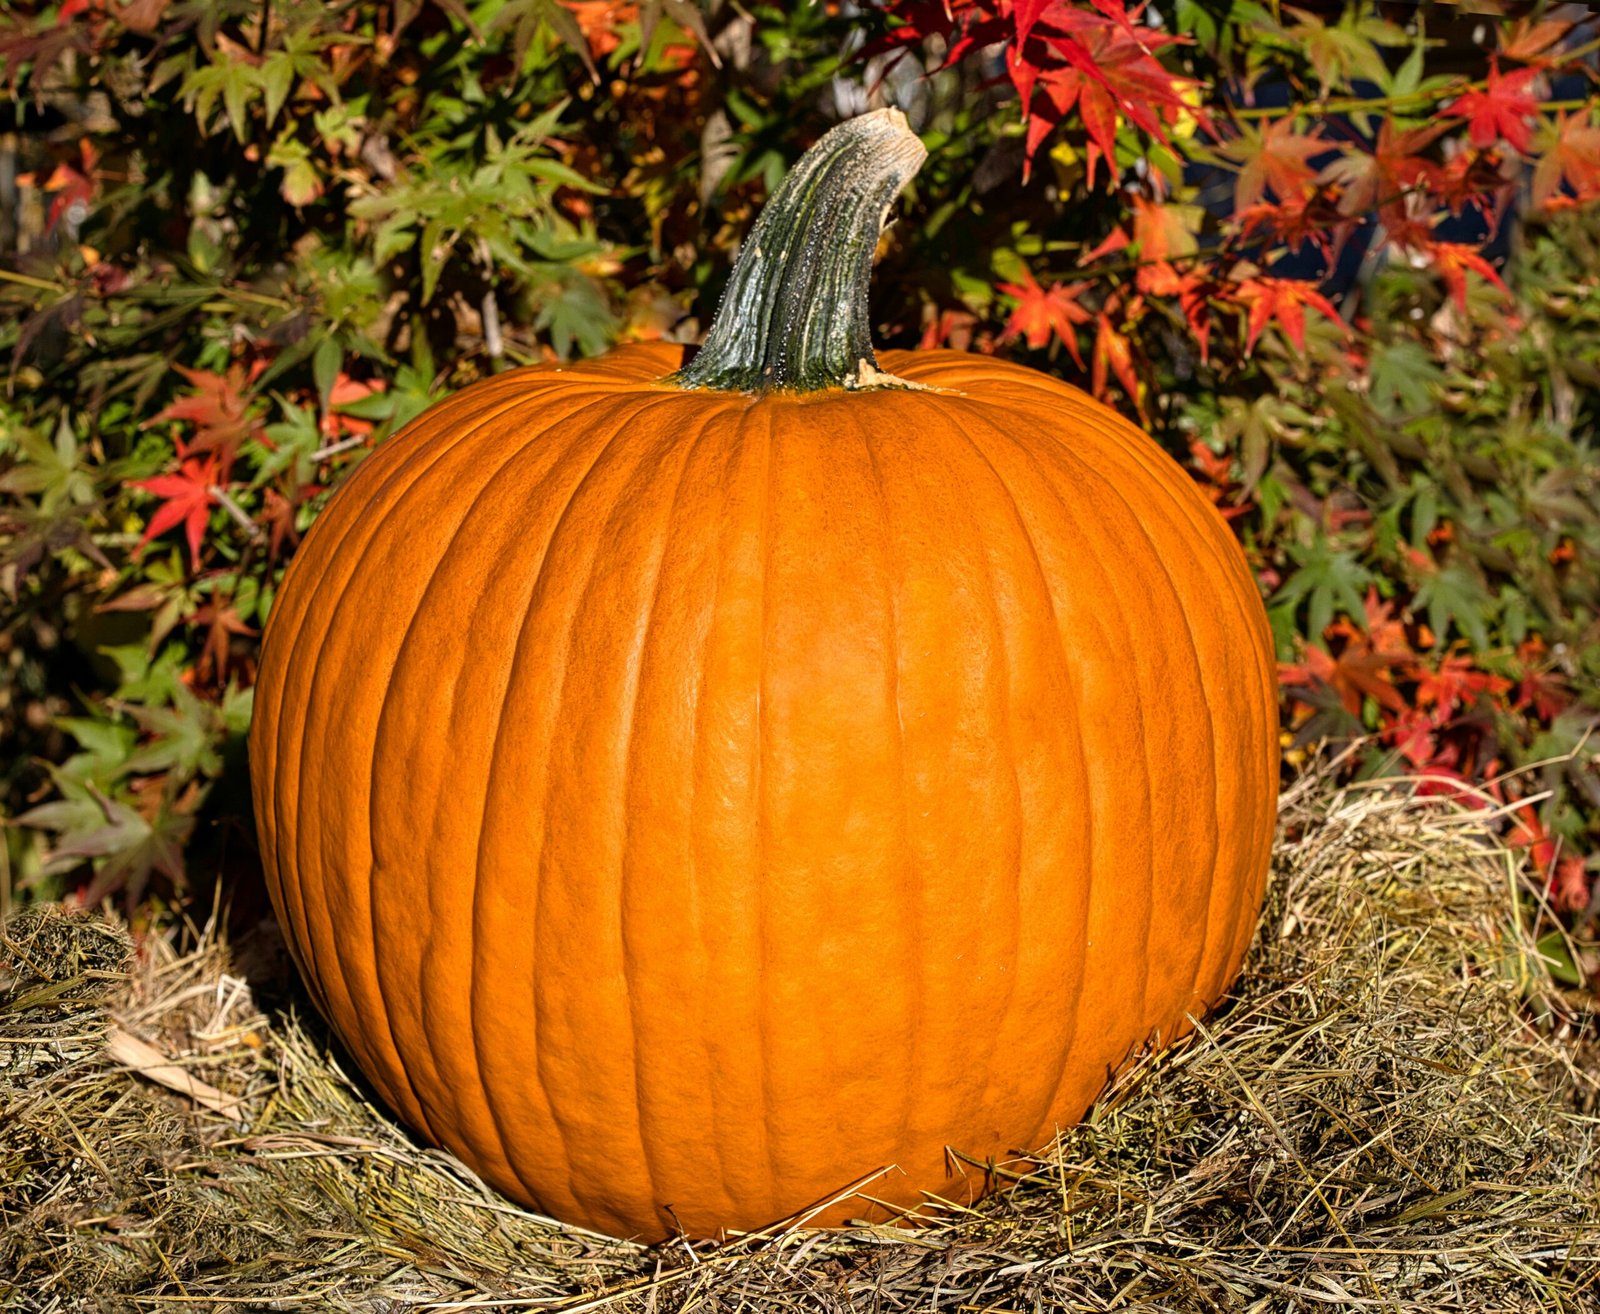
1392 1113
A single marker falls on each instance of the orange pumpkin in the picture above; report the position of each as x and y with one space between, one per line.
687 796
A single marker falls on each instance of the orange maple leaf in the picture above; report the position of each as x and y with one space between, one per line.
1042 312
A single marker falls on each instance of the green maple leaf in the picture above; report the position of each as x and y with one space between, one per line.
1328 580
1455 595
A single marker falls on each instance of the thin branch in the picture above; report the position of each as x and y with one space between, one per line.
234 510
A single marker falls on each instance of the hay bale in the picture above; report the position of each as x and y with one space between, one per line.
1387 1116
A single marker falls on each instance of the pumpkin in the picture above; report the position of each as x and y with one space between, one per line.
693 791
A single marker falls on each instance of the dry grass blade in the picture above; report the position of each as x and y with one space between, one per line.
1389 1116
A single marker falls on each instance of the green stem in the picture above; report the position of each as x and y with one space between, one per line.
794 315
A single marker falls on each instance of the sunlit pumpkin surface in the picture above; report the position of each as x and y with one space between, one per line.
684 804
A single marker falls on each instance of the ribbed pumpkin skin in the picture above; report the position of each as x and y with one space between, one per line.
682 803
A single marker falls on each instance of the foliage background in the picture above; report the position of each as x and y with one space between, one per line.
1343 261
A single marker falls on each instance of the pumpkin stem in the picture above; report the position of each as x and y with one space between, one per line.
794 315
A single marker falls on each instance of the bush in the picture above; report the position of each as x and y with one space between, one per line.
1347 270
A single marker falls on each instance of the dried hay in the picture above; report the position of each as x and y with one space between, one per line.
1389 1116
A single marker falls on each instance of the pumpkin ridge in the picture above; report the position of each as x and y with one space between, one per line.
444 1072
915 966
636 671
391 480
1013 887
760 785
478 987
290 597
733 452
1231 914
1149 459
631 409
1241 587
1069 1041
1142 526
736 1094
422 1066
620 412
1205 527
1239 582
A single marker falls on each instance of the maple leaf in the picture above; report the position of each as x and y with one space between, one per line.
1362 668
73 185
347 391
1476 178
948 328
1164 233
1529 40
1273 157
222 622
1453 261
1569 884
1572 154
278 514
1114 354
1311 218
1379 180
1025 13
1348 51
1502 110
188 498
1041 313
1384 631
1284 300
219 410
1544 690
1359 671
1412 732
1455 684
1528 831
1216 468
1108 71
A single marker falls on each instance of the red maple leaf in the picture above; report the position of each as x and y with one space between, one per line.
1284 300
345 391
1475 178
1502 111
1114 354
948 328
1528 831
1456 683
1216 468
188 497
1106 69
1025 13
1358 672
1164 233
1384 631
1274 157
1569 884
1310 218
1367 663
219 410
1540 688
1041 312
73 184
1380 180
279 513
1412 732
